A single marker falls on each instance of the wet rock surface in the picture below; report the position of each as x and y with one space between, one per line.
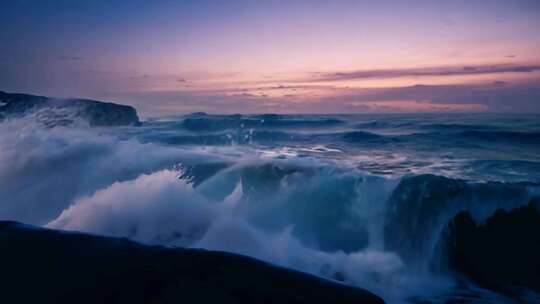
47 266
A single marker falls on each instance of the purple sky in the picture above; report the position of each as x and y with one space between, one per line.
275 56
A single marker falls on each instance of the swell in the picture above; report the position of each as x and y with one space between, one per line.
249 136
204 129
472 136
245 136
378 124
224 138
204 122
361 136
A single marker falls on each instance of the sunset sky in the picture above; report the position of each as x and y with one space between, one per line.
301 56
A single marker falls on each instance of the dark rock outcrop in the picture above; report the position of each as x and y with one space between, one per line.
46 266
503 253
53 111
487 231
421 207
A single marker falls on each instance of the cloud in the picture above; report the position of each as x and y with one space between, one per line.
157 94
425 72
491 96
416 106
497 96
250 95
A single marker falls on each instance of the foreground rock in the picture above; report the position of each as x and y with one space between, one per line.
63 111
487 231
422 206
503 253
47 266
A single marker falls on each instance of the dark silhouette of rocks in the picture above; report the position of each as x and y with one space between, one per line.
46 266
502 253
52 111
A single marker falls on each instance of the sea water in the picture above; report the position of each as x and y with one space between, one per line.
364 199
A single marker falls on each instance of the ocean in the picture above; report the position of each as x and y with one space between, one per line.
417 208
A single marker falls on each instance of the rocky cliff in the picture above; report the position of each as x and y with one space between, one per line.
54 112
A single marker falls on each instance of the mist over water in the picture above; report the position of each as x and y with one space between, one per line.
363 199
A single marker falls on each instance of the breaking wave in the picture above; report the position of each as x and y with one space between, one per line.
398 235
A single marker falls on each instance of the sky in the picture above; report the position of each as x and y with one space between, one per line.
318 56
